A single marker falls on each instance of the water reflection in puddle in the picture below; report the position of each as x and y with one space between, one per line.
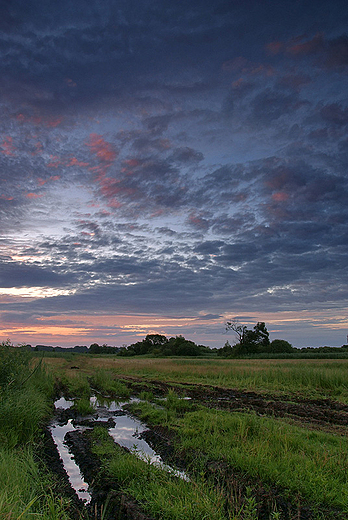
126 433
70 466
63 403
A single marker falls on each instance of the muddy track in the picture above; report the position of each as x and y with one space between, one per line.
48 455
318 412
233 483
108 501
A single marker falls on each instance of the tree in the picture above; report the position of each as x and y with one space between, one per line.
261 334
278 346
179 346
250 341
155 341
237 328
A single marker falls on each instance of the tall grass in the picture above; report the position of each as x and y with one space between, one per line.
25 485
76 385
312 378
24 491
105 382
21 415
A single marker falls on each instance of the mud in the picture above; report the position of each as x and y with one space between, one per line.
108 502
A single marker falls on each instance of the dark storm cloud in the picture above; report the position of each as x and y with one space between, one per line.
211 247
270 105
129 40
20 275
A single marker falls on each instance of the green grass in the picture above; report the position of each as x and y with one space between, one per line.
77 385
309 378
25 484
21 415
317 378
307 464
25 490
160 494
104 382
83 406
311 464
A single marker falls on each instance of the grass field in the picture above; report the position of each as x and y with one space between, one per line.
308 378
259 439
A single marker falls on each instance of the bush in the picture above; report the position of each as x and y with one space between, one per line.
278 346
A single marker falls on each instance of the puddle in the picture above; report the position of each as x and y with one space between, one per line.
63 403
70 466
126 432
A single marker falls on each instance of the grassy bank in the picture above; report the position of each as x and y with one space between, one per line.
26 486
162 495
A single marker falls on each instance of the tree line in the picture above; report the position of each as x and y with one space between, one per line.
159 345
249 342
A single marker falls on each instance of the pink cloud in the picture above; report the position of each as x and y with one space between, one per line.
280 196
198 221
33 196
55 162
114 203
75 162
157 213
244 66
295 81
53 123
103 150
306 47
38 120
7 146
132 163
42 182
70 82
275 47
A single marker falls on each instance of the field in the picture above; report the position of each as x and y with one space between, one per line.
256 439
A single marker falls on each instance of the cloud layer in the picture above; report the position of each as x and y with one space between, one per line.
165 166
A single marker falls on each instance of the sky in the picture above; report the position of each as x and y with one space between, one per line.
167 166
